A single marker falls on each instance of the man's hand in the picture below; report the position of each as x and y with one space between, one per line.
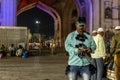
80 51
88 50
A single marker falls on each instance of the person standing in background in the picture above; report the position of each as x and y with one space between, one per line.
99 55
94 33
115 51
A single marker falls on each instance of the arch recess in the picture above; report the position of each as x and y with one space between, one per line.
86 8
52 13
88 11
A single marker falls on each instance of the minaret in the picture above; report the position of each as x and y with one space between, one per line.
8 12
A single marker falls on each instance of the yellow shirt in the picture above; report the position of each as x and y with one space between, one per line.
100 47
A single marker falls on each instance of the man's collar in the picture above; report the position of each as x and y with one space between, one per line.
76 32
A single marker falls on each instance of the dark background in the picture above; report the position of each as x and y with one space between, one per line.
29 17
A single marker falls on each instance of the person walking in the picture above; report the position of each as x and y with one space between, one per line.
99 55
115 51
78 44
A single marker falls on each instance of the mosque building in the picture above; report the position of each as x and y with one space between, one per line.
98 13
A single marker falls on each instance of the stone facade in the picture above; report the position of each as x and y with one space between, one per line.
98 13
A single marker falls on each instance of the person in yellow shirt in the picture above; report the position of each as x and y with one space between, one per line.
98 55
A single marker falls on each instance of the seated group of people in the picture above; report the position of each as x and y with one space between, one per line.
12 50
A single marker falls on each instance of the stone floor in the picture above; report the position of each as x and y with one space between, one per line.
33 68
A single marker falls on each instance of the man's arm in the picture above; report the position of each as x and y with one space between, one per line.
112 45
92 44
69 47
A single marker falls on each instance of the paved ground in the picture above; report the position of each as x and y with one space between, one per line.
33 68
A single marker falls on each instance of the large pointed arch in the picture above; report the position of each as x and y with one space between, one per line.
51 12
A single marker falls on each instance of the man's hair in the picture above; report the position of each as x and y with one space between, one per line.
81 20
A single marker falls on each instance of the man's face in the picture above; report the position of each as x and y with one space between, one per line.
80 28
94 34
117 31
101 33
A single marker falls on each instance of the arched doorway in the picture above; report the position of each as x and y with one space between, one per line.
83 8
52 13
37 21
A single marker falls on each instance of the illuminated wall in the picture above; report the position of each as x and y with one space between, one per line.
84 8
8 12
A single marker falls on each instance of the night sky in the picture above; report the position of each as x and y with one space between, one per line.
29 17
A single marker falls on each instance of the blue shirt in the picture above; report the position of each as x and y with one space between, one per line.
70 47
